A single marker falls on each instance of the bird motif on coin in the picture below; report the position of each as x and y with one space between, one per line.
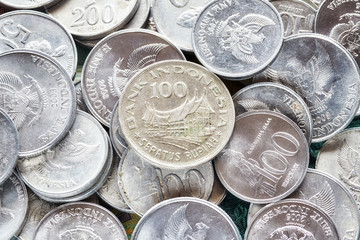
349 161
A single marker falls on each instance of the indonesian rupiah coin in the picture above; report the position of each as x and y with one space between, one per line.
236 39
176 114
266 158
116 136
39 96
31 4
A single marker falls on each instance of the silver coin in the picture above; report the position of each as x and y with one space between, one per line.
9 146
13 206
116 136
253 209
176 19
80 221
236 39
93 19
73 165
275 97
80 103
39 97
218 192
264 161
27 4
186 218
324 74
38 31
114 60
143 185
291 219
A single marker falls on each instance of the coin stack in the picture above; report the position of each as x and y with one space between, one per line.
173 104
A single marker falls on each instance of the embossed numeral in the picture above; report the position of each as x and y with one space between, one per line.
92 15
295 21
165 89
8 30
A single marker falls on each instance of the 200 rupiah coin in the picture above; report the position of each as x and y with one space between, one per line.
176 114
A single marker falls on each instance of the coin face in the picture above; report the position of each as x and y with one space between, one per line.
39 96
236 39
324 74
186 218
37 31
291 219
28 4
177 114
80 221
264 161
113 61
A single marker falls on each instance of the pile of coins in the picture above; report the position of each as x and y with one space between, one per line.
178 102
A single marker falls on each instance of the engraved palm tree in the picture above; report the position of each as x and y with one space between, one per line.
3 210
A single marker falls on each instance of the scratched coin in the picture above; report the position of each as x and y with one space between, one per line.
324 74
114 60
143 185
27 4
275 97
264 161
13 206
236 39
39 96
80 221
186 218
291 219
116 136
38 31
9 146
176 114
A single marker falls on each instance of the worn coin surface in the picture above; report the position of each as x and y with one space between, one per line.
324 74
186 218
116 136
236 39
143 185
291 219
266 158
13 206
39 96
177 114
9 146
27 4
114 60
275 97
38 31
80 220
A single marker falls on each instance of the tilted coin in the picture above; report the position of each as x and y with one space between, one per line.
116 136
93 19
114 60
13 206
186 218
275 97
291 219
39 97
236 39
218 192
264 161
27 4
253 209
80 221
9 146
176 114
324 74
143 185
80 103
38 31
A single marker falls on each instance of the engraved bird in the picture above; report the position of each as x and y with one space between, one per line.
5 211
138 59
349 161
325 199
178 227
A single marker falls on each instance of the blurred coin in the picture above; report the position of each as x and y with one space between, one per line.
37 31
116 136
39 96
275 97
80 221
236 39
186 218
324 74
264 161
114 60
218 192
30 4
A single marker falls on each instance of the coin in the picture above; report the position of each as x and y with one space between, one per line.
324 74
21 4
264 161
218 192
291 219
186 218
177 114
116 136
80 103
38 31
275 97
143 185
80 221
114 60
236 39
9 146
39 96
